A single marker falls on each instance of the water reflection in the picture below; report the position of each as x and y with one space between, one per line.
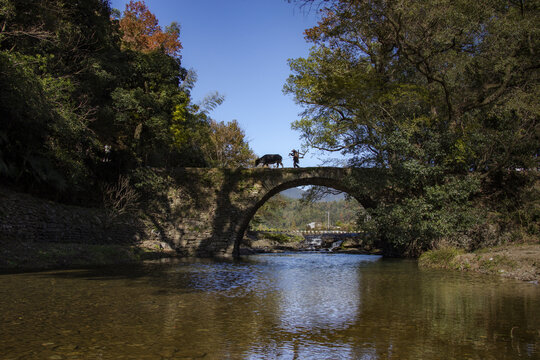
315 295
290 306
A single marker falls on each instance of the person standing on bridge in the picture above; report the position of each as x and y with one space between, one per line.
296 156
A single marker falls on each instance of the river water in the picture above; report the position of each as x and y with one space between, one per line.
276 306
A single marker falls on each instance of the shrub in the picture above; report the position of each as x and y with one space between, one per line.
283 238
417 223
442 258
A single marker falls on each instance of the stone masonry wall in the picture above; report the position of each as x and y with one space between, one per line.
210 209
28 219
204 212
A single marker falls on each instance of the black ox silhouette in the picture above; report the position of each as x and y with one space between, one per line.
269 159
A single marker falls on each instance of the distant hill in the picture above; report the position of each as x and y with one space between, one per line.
293 193
297 193
333 197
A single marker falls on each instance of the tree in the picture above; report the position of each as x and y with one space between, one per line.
141 31
443 94
227 146
73 83
466 71
155 122
50 53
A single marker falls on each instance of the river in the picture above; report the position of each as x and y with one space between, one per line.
274 306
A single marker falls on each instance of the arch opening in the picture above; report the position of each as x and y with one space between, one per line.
360 201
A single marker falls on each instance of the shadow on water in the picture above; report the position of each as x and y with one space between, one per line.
166 276
188 275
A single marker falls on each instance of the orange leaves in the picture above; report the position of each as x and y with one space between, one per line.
324 26
141 31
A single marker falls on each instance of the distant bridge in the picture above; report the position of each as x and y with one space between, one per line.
215 206
311 232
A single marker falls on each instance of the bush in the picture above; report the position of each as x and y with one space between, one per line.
121 197
441 258
283 238
417 223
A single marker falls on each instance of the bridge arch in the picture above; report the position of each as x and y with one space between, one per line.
317 181
306 179
223 201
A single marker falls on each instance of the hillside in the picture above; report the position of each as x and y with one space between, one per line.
297 193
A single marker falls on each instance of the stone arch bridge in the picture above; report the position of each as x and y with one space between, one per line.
209 210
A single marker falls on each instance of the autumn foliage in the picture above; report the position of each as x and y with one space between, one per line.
141 31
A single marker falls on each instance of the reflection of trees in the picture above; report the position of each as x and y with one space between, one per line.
406 314
225 314
381 310
320 306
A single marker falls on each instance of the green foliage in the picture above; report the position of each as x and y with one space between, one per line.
149 182
442 258
72 88
47 53
280 212
443 94
416 223
190 129
283 238
41 128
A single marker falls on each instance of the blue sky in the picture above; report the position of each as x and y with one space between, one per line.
240 48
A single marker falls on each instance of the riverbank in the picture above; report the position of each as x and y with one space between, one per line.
28 256
516 261
257 242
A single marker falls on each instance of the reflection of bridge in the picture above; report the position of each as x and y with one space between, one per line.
221 202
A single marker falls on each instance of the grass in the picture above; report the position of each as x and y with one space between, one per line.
440 258
496 262
520 261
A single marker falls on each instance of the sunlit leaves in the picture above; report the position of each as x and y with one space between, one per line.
378 64
227 146
141 31
180 130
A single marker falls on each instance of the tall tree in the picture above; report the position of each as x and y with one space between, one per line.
51 53
466 70
73 82
430 90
